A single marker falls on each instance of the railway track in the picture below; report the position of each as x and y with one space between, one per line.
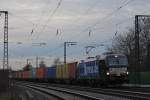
127 92
123 92
69 94
39 91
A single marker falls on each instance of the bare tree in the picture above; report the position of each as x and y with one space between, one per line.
27 67
57 61
125 43
42 64
145 41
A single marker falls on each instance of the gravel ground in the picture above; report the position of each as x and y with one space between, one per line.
9 94
22 93
30 94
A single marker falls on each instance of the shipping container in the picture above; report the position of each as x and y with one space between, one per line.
72 70
16 74
88 69
65 74
23 74
19 74
51 72
59 71
33 73
26 74
40 73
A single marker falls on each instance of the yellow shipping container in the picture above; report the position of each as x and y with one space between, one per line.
59 73
65 72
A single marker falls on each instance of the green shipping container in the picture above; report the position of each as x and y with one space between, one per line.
33 73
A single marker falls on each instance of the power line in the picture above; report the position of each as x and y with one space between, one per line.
86 12
51 16
110 14
122 22
59 3
106 17
42 14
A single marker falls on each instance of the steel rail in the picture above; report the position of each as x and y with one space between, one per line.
128 93
43 88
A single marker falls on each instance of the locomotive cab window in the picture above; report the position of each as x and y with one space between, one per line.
117 61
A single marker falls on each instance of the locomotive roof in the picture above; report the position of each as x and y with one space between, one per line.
102 57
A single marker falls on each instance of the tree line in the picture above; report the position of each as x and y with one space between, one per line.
125 43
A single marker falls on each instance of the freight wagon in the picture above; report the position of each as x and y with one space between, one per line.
51 74
25 75
40 74
33 73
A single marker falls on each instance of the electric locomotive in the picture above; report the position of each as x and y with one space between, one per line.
115 67
108 68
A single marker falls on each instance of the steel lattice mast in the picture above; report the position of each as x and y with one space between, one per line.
5 55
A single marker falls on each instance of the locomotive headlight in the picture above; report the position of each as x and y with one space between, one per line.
107 73
127 73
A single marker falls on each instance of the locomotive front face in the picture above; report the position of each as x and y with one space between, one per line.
117 65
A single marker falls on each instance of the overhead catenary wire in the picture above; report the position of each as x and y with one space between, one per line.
42 14
58 31
28 21
104 18
79 53
90 30
110 14
90 8
50 18
25 20
120 7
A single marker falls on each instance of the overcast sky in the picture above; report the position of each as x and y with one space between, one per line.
55 21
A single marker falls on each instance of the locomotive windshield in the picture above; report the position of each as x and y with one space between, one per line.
117 60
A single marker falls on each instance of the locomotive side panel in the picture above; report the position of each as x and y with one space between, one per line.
88 69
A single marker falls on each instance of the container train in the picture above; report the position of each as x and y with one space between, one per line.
108 68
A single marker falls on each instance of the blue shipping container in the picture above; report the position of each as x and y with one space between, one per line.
88 69
51 72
